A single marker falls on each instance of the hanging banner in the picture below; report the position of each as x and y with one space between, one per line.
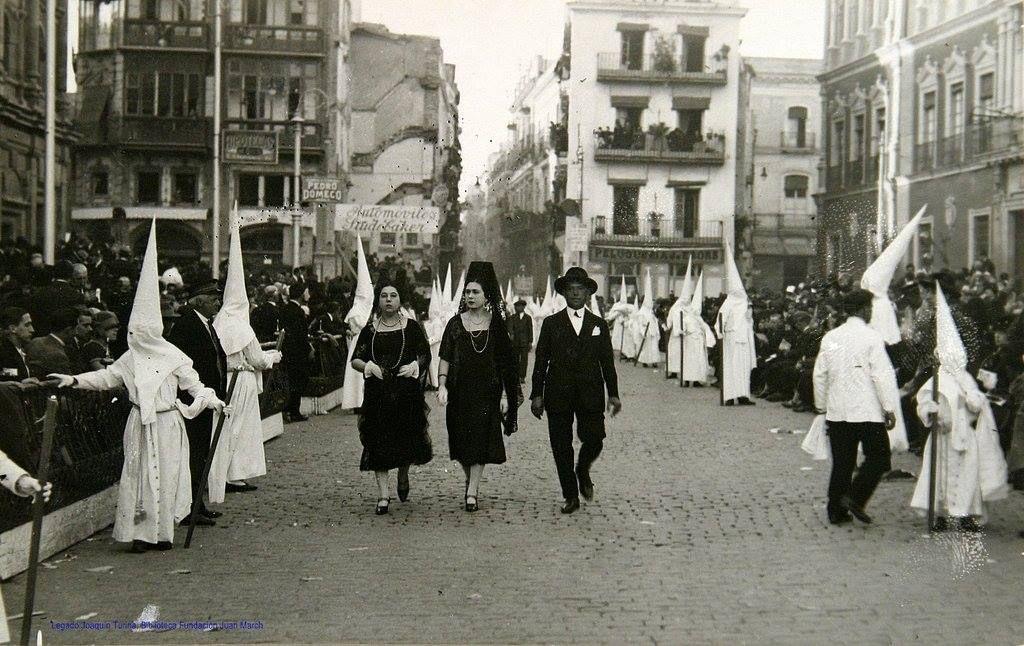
391 218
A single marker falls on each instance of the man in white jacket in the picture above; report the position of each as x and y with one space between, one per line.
855 384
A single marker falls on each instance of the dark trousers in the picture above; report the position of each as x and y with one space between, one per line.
200 434
524 359
298 379
844 438
590 428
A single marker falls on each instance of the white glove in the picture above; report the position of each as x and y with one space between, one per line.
27 486
274 356
927 408
372 370
975 401
410 370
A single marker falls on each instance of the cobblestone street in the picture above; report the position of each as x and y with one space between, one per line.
706 528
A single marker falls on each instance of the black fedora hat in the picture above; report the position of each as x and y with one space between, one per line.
208 286
575 275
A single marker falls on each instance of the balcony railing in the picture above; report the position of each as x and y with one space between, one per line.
156 33
990 138
645 231
796 140
286 40
162 131
611 67
311 132
785 223
676 147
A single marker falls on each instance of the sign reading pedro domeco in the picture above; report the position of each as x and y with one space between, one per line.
322 189
377 217
250 146
654 254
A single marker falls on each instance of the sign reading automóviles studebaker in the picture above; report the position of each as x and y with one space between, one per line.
378 217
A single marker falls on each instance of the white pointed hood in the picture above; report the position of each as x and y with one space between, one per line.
362 305
232 321
948 344
672 318
456 302
648 302
153 357
435 307
878 276
594 307
733 281
446 291
696 304
622 289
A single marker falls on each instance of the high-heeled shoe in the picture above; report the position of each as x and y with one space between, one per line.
471 506
382 506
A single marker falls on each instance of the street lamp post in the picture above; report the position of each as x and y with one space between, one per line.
215 211
50 163
297 192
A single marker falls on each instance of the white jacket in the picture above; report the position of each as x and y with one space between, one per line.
854 380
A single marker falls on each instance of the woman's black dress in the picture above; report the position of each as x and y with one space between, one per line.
393 417
475 382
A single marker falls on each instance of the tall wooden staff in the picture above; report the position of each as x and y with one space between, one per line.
49 424
643 341
682 347
933 455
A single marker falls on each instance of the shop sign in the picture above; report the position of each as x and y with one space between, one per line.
656 254
325 190
390 218
250 146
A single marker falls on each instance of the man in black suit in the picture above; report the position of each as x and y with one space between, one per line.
573 367
296 351
54 297
521 328
194 335
264 319
17 332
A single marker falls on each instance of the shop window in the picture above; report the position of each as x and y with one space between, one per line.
387 238
248 190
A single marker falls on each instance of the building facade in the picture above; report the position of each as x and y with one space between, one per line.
405 143
922 106
653 97
525 181
23 119
783 111
146 77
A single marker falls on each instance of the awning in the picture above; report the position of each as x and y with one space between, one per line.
630 101
690 102
140 213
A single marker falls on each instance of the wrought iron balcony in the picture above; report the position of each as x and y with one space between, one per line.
612 68
797 141
282 40
161 34
312 138
644 231
178 132
991 138
675 147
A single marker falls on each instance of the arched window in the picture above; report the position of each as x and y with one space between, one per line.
795 186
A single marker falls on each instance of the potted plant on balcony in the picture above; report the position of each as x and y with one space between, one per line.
658 134
664 55
655 218
605 136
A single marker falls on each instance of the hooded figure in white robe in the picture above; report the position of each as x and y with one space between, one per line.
356 319
673 324
735 327
434 328
970 469
155 490
646 327
876 279
696 337
239 453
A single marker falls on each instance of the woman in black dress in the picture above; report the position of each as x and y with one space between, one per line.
478 379
393 354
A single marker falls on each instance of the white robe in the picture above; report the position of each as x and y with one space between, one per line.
696 340
970 467
435 330
155 491
352 387
739 356
239 454
674 347
646 332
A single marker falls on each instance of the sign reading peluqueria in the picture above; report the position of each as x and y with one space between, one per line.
250 146
654 253
377 217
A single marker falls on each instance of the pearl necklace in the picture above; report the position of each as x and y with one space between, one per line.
373 341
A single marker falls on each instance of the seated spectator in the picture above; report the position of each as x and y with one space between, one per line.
96 353
49 354
17 332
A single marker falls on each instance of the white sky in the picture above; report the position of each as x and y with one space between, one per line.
491 41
